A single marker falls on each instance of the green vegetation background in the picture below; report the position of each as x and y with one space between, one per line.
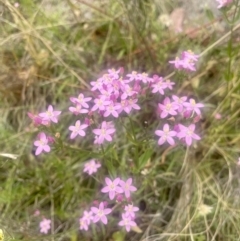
51 50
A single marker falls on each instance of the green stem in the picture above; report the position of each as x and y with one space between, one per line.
136 155
132 129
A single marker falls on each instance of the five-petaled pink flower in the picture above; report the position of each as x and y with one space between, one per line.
77 129
45 225
112 187
100 213
130 210
104 133
100 103
169 84
91 166
188 133
127 187
166 135
127 222
159 85
42 144
167 108
193 106
50 115
179 101
81 100
111 109
78 109
133 76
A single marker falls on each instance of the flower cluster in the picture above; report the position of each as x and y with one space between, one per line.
183 132
223 3
114 95
115 190
118 186
45 119
187 61
178 107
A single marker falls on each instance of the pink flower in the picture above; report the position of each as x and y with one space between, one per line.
159 86
77 110
112 110
114 73
81 100
106 80
50 115
88 216
127 92
42 144
223 3
112 187
131 104
85 220
169 84
127 222
133 76
100 213
193 106
144 78
77 129
91 167
167 108
83 224
104 133
188 134
45 225
100 104
187 61
127 187
166 135
189 56
130 210
105 93
96 85
123 106
178 63
179 101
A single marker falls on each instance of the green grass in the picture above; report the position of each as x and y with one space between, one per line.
51 50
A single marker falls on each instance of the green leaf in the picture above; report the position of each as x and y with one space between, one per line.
143 159
210 14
